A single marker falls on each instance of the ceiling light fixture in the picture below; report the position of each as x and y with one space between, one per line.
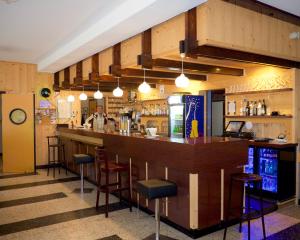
98 94
71 97
118 92
182 81
82 95
144 87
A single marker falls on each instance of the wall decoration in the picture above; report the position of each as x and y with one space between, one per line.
18 116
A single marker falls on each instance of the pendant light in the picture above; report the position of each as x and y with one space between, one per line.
144 87
70 97
98 94
82 95
182 81
118 92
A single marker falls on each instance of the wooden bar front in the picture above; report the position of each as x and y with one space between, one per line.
200 167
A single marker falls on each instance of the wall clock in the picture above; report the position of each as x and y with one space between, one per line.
45 92
17 116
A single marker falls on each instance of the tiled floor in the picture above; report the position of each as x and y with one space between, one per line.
51 210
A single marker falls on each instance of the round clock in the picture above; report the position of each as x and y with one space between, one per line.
17 116
45 92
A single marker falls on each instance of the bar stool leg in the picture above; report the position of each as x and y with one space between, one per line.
81 176
157 219
228 209
262 212
48 160
59 158
65 162
242 209
98 188
53 155
248 216
106 194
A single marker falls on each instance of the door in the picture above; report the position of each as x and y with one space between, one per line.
18 133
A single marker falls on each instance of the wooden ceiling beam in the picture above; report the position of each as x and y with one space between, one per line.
78 78
191 66
56 81
66 82
135 79
268 10
229 54
114 69
190 31
159 74
95 66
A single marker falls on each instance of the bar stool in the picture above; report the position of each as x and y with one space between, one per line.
103 165
250 213
54 143
81 159
156 189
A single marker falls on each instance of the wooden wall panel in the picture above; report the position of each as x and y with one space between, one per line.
166 36
105 60
72 73
226 25
130 48
86 68
17 77
21 78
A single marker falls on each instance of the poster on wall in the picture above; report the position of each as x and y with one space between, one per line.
64 109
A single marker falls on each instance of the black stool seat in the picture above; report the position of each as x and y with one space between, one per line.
156 188
83 158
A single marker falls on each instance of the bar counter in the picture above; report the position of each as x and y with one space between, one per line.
200 167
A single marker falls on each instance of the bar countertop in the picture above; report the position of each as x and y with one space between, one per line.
186 141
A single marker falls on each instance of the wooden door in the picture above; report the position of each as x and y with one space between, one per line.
18 137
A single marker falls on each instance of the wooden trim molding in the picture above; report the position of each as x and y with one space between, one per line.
266 10
236 55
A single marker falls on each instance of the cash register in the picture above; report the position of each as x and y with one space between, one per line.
234 129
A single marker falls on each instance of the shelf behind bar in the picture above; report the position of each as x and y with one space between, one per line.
265 116
261 91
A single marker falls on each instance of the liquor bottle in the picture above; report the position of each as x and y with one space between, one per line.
263 108
251 109
247 109
254 108
259 108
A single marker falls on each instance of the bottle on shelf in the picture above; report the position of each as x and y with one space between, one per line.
264 107
254 108
247 109
259 108
251 108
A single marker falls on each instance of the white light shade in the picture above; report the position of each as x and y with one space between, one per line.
98 95
118 92
83 96
182 81
71 98
144 87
